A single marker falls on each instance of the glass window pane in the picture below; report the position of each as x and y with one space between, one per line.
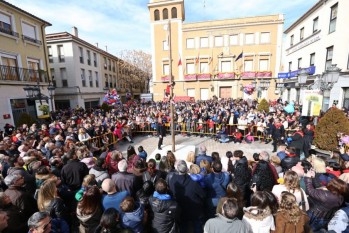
234 40
166 69
190 68
190 43
265 37
226 66
204 42
218 41
263 64
248 65
249 38
203 67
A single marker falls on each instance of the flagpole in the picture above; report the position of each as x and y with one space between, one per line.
171 87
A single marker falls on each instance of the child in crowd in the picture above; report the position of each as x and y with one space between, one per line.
142 153
157 159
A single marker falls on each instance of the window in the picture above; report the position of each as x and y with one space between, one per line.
218 41
248 65
156 15
109 64
191 92
203 67
165 69
226 66
106 80
348 63
88 57
190 68
28 30
81 55
299 63
291 40
90 78
174 13
60 50
64 77
190 43
97 79
329 55
204 42
265 37
290 66
95 59
52 72
234 39
105 63
249 38
165 45
5 23
50 54
33 68
333 18
301 34
263 64
346 98
110 81
165 13
312 59
315 24
83 80
8 72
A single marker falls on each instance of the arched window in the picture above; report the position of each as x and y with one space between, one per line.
174 13
165 13
156 15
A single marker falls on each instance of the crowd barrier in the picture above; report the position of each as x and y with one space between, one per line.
199 129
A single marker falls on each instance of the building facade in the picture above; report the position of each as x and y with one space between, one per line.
213 58
83 73
23 61
317 40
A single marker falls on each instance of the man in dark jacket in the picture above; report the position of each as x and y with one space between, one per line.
16 219
277 132
19 197
296 140
190 197
73 172
161 130
165 209
216 184
290 160
123 180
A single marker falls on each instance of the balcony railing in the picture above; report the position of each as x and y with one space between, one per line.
9 73
33 40
9 32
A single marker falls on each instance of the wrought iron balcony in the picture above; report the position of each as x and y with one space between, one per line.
9 73
9 32
33 40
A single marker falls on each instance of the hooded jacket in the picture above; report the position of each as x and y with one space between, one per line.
133 220
259 220
166 213
89 223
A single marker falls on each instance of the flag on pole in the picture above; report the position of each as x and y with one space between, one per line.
240 56
180 61
197 58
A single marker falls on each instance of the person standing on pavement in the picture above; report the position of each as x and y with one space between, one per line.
161 130
203 156
277 133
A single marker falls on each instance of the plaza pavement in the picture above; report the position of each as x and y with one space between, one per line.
185 144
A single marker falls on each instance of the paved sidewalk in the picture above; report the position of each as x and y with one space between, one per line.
150 145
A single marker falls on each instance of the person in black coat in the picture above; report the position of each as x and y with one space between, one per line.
277 132
190 197
308 139
166 210
296 140
161 130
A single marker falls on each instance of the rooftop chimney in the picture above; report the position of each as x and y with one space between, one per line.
75 31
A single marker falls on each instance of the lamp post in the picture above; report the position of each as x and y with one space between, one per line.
264 84
51 92
168 28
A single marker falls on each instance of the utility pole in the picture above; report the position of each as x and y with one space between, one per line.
171 87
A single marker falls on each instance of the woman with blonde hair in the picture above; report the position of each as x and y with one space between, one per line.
49 201
290 218
190 158
83 136
291 184
319 165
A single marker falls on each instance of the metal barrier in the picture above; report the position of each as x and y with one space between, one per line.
203 129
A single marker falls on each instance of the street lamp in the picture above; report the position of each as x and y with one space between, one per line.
254 83
302 77
264 84
34 92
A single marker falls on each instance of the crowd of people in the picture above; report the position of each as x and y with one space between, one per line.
54 180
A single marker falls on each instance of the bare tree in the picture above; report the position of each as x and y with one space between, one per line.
139 60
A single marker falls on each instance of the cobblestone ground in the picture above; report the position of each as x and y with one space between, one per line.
150 143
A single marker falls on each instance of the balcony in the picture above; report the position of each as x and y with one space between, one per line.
32 40
9 32
9 73
248 75
203 76
226 75
190 77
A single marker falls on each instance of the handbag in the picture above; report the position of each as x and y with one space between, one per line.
303 201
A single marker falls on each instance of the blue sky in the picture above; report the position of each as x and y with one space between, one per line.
124 24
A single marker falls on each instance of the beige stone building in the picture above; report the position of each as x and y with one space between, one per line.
214 57
23 62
